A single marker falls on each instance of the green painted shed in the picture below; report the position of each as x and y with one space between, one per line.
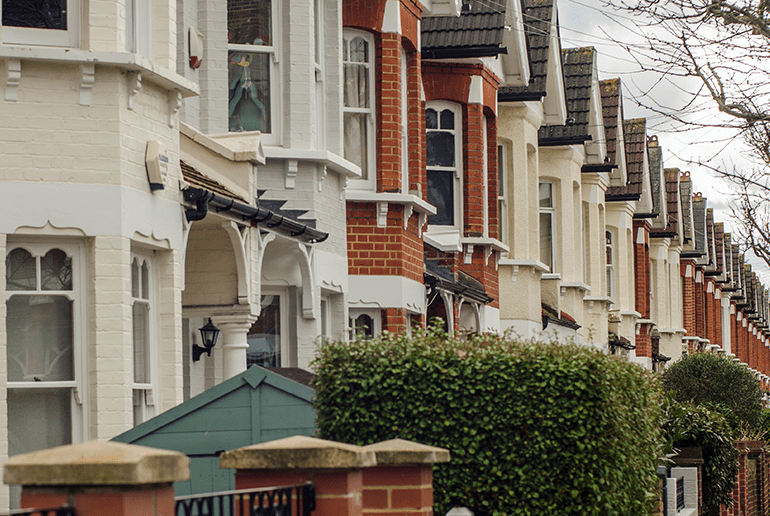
255 406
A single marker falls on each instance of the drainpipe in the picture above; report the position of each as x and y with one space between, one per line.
201 199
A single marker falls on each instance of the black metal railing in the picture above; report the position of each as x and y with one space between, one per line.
680 493
298 500
64 510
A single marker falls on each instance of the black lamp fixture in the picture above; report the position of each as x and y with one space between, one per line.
209 335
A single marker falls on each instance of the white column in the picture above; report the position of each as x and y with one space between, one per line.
233 330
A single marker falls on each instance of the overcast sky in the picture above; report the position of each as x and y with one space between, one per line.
590 23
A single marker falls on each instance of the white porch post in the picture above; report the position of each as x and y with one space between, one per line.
234 345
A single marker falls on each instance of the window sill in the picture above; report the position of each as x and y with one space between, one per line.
535 264
333 161
411 204
151 73
445 240
551 276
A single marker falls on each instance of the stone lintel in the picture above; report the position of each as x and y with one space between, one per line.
399 452
97 463
298 452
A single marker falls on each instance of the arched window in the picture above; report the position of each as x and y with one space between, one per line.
358 102
443 143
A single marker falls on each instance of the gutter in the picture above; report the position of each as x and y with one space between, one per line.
555 141
204 198
597 167
460 52
524 96
622 197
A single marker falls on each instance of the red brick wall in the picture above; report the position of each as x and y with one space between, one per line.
388 94
644 341
688 296
363 14
391 250
699 294
642 268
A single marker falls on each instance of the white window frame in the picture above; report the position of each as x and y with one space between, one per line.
45 37
318 63
148 391
370 182
551 210
274 51
139 28
284 360
439 106
78 398
502 189
374 313
609 268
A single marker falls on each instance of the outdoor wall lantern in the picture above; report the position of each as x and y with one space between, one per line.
209 334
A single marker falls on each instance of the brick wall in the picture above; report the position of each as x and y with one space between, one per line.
699 295
687 271
642 267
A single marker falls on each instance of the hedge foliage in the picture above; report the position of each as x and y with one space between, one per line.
691 425
533 429
719 383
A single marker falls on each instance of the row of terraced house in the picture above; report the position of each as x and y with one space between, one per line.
300 170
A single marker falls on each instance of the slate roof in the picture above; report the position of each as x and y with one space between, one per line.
635 143
719 243
737 260
537 29
710 236
671 178
200 180
699 222
578 65
685 196
655 161
611 95
475 33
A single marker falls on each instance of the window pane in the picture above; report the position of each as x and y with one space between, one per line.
249 22
356 148
356 86
141 338
364 326
56 270
324 318
249 99
546 195
145 281
138 406
500 171
20 271
546 240
441 195
39 338
431 119
38 419
359 50
447 119
134 279
440 149
36 14
264 337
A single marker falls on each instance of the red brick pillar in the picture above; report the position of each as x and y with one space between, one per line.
473 171
402 481
394 320
99 478
698 294
718 317
642 267
687 270
389 112
334 468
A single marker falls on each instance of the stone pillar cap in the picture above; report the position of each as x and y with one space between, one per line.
97 463
298 452
398 452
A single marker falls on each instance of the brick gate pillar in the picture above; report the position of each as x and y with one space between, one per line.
99 478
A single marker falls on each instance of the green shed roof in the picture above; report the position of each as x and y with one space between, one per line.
252 407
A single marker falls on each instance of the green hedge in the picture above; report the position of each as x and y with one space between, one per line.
717 382
532 429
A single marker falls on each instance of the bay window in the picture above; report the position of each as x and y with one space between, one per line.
251 57
41 22
44 307
358 102
442 122
267 336
547 225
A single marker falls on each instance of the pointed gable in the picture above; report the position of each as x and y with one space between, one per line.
672 206
685 199
637 167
